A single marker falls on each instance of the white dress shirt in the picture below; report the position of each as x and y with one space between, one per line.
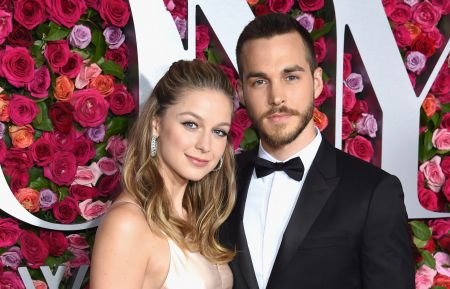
268 208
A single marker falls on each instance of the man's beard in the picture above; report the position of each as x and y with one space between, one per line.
278 138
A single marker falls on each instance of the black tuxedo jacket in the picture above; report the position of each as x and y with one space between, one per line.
348 229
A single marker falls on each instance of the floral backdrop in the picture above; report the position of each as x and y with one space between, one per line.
65 109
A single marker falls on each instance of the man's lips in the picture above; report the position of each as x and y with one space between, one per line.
277 117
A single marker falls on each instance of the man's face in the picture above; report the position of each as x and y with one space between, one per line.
278 87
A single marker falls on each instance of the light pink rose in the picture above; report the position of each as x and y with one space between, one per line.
87 175
433 173
442 263
415 61
441 139
424 277
306 20
77 241
5 25
108 166
91 210
81 257
87 73
354 82
367 124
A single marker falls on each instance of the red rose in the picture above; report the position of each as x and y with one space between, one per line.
65 12
359 147
90 107
56 242
347 128
62 169
444 243
84 150
66 211
57 53
280 6
318 23
426 15
29 13
17 66
347 65
18 180
401 13
63 141
72 66
359 108
22 110
20 36
201 38
33 249
9 232
119 55
81 193
61 114
109 185
441 84
424 44
321 49
39 86
17 158
241 119
261 9
348 99
441 280
402 36
114 12
445 122
323 96
120 100
428 199
42 150
236 134
310 5
435 35
11 280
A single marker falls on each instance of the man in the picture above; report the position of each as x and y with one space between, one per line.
323 219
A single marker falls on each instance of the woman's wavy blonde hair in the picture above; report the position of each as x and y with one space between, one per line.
209 201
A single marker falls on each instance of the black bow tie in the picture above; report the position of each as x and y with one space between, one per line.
293 168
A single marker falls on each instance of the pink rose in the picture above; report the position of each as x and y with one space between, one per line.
9 232
310 5
114 12
84 150
57 243
321 49
62 169
57 53
441 139
11 280
38 87
117 147
280 6
90 107
347 128
401 13
5 25
306 20
442 263
65 12
66 211
433 173
77 241
201 37
22 110
108 166
359 147
402 36
17 66
72 67
120 100
34 250
367 125
29 13
354 82
11 258
87 72
440 227
347 64
81 257
426 15
91 210
424 277
348 100
415 61
87 175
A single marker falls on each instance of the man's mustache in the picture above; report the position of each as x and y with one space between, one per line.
281 109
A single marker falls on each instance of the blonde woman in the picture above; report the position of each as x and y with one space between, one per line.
178 188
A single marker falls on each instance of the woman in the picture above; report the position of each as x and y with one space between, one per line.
178 188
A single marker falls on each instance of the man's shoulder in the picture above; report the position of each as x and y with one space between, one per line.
246 156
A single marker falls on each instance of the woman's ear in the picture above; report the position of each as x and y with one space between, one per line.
156 126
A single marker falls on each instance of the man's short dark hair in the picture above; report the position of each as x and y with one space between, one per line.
269 25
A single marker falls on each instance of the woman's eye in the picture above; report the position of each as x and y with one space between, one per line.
190 124
220 132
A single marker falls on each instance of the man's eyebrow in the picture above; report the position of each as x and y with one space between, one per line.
293 69
256 75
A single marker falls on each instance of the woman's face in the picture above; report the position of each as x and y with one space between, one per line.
192 133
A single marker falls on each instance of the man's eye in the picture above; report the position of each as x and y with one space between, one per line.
292 77
190 124
259 82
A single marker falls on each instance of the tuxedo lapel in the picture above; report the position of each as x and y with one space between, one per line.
319 184
243 258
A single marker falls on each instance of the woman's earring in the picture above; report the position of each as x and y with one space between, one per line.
219 166
153 146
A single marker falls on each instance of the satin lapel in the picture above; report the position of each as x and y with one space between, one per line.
319 184
243 258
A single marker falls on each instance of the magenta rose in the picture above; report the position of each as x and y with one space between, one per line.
18 179
33 249
445 165
56 242
261 9
280 6
90 107
120 100
57 53
348 99
38 87
9 232
446 189
91 210
20 36
92 4
83 149
6 5
441 139
401 13
42 150
29 13
242 119
236 134
117 147
402 36
61 114
65 12
108 166
321 49
428 199
119 55
3 150
114 12
310 5
426 15
6 26
17 66
77 241
22 110
436 36
441 84
439 227
230 75
81 257
11 280
347 64
201 37
442 5
109 185
359 147
347 128
17 158
63 141
81 193
72 67
62 169
66 211
433 173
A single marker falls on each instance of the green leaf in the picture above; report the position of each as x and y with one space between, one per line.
420 230
45 125
116 125
436 119
100 151
250 139
322 31
438 287
213 57
419 243
100 45
428 145
56 34
83 53
42 30
63 192
445 108
39 183
110 67
35 172
36 52
42 121
428 259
